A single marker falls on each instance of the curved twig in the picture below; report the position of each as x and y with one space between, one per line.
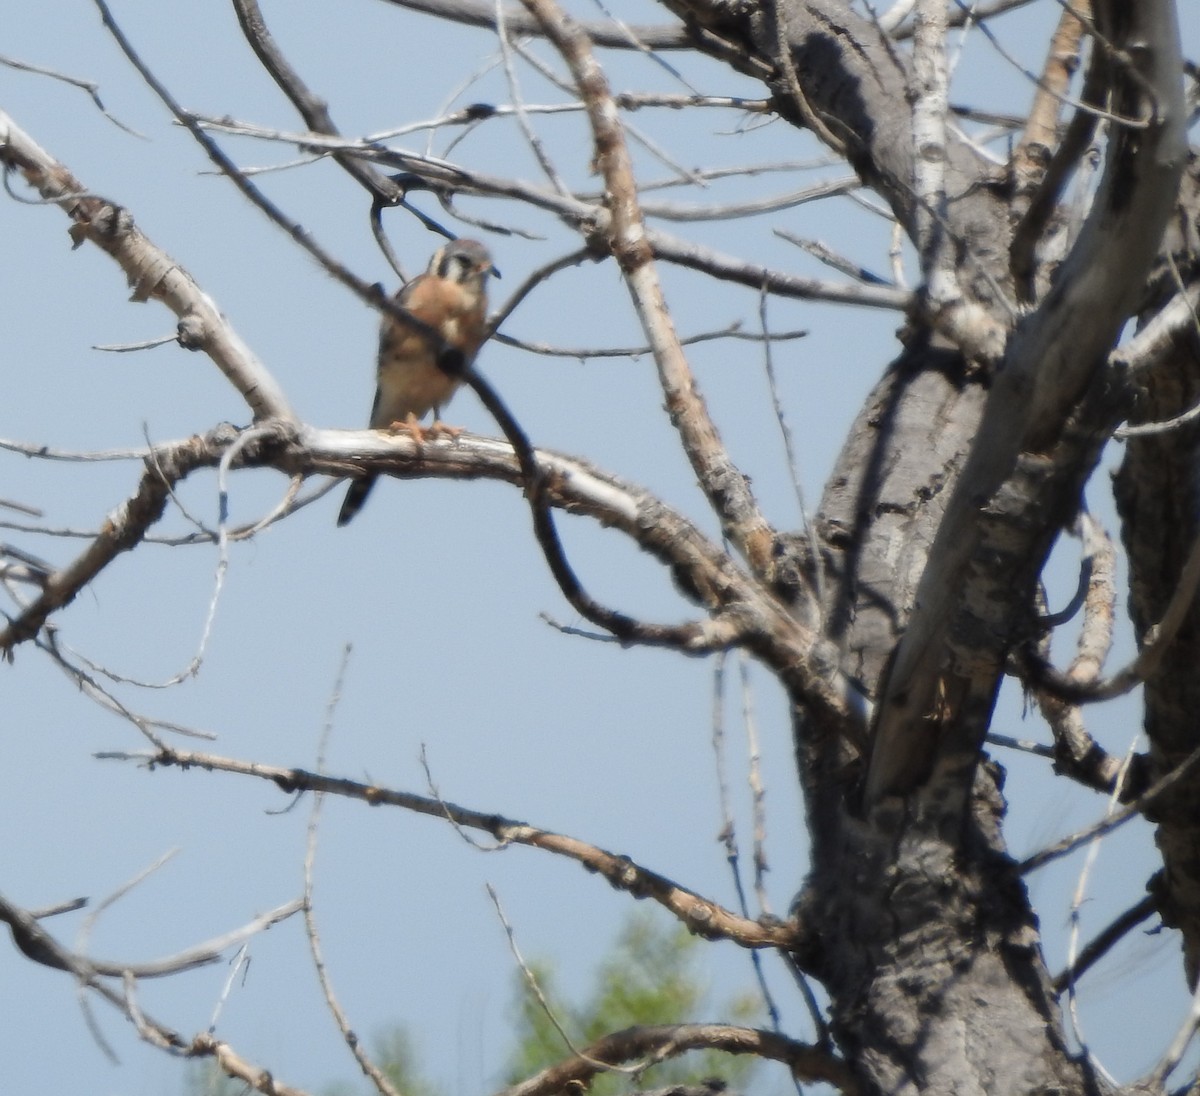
699 637
671 1040
1156 641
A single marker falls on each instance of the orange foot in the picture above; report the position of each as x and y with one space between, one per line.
419 433
409 426
439 429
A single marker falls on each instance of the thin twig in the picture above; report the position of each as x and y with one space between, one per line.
377 1077
584 353
1103 941
728 833
1173 1055
1111 822
90 86
1077 900
535 988
238 965
514 90
789 448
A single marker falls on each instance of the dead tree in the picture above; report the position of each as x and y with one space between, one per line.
1053 312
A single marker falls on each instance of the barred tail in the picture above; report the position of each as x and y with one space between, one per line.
356 495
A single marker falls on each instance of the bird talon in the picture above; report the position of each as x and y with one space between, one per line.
408 426
419 433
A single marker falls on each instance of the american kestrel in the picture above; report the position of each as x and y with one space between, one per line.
451 297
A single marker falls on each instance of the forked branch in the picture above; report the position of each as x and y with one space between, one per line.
727 488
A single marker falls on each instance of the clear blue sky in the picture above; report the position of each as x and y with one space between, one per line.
438 586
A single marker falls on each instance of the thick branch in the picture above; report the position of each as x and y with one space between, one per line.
151 272
744 614
123 530
1054 355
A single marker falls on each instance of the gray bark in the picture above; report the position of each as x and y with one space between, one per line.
944 504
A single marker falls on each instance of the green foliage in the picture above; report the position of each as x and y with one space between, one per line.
397 1058
651 977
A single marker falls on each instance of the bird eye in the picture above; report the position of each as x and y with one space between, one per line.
455 267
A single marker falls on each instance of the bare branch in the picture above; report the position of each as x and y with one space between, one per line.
741 611
481 13
669 1041
151 272
537 277
514 92
755 276
535 989
311 108
1178 1048
260 1080
1076 753
1156 642
1079 896
90 86
49 643
695 638
1062 58
1050 179
377 1077
830 258
35 943
818 124
961 15
442 176
701 916
728 834
583 353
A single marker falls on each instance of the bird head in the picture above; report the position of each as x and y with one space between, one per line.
463 261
